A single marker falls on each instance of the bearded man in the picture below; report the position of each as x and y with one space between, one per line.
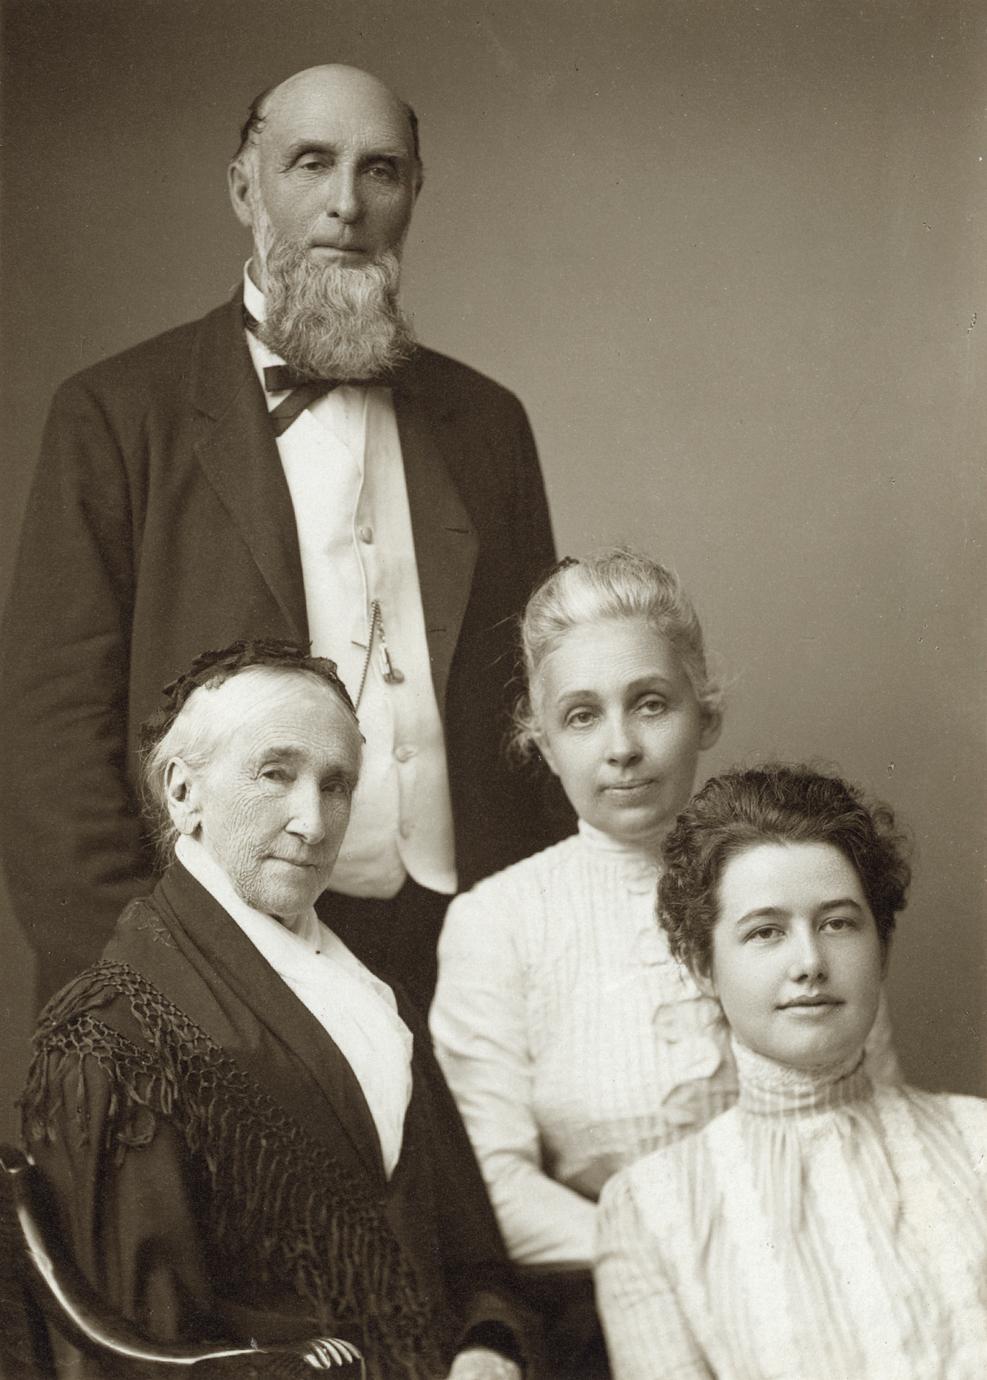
292 465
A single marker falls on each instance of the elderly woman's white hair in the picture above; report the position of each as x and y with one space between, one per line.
187 726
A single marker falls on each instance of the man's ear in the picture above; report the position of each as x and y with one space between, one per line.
181 794
712 724
238 181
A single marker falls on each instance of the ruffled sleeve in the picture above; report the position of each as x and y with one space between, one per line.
479 1026
646 1329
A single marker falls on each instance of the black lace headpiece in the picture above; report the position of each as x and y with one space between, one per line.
212 668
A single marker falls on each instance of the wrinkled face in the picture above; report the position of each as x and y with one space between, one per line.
272 803
333 170
797 962
621 727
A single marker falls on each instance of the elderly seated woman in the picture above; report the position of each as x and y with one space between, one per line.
244 1132
825 1225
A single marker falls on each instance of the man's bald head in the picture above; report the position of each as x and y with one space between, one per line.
342 77
326 180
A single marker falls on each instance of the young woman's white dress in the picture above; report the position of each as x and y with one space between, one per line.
825 1228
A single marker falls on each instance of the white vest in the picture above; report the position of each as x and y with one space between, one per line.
343 466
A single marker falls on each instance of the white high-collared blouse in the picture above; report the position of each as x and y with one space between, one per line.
824 1227
572 1040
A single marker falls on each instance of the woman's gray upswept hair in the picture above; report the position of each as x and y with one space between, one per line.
616 583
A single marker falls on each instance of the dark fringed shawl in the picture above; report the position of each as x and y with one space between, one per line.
276 1195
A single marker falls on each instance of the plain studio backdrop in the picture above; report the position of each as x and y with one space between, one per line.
730 253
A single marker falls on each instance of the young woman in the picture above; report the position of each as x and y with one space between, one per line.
572 1040
824 1226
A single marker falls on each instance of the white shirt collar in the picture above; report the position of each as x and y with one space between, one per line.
195 858
356 1009
606 843
253 299
288 934
261 355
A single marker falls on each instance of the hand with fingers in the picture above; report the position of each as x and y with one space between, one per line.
327 1352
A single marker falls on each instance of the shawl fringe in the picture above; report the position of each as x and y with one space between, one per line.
275 1195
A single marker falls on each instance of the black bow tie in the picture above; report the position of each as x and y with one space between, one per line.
302 389
304 392
279 378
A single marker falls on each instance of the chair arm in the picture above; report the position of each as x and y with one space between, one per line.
74 1307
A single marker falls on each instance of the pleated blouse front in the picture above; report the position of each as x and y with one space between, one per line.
572 1040
822 1228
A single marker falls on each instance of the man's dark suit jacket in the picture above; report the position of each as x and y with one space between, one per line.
159 526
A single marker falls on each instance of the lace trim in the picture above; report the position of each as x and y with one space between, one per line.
948 1215
768 1088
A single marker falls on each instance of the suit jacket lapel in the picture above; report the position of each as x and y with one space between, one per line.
236 448
445 536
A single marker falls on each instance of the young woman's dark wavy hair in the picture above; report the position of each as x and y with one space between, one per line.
776 803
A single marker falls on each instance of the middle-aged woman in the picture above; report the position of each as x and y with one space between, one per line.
244 1133
823 1226
572 1040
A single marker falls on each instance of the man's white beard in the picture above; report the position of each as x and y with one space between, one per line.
330 321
